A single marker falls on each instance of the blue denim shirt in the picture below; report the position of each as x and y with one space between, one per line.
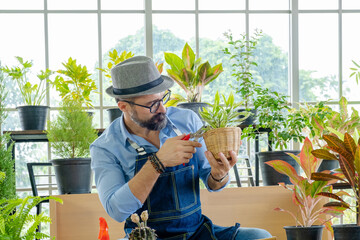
113 160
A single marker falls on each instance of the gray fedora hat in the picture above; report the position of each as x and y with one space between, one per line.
137 76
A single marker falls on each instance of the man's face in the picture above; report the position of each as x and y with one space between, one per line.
144 118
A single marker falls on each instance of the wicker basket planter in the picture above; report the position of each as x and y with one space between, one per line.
223 140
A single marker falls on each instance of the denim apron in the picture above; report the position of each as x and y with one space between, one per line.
174 204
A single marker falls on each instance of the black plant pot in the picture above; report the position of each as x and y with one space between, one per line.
269 175
73 175
33 117
195 106
328 165
346 232
250 120
304 233
114 113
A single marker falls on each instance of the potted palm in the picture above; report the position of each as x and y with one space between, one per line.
222 133
32 114
347 152
114 59
192 76
70 136
74 83
307 195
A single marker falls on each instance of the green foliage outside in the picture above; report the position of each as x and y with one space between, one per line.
72 132
77 84
16 221
221 115
7 187
32 94
114 59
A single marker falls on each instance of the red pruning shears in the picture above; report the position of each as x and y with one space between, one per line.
195 136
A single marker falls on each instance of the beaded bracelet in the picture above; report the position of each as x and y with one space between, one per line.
156 163
219 180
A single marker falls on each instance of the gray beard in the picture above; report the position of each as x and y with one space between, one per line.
156 123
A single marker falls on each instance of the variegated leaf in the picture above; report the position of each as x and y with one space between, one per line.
350 143
284 168
323 154
325 177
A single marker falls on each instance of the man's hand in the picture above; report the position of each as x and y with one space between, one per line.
176 151
219 168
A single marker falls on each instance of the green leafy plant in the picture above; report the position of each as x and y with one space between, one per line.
241 52
348 154
7 187
223 115
72 132
142 231
114 59
15 213
307 193
32 94
190 74
77 84
356 71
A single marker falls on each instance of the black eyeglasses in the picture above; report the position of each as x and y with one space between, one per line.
155 106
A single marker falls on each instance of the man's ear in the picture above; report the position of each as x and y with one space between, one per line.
123 106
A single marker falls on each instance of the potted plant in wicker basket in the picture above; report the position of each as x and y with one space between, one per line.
307 195
32 114
222 133
192 76
347 152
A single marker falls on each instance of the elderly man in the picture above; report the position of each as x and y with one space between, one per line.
142 163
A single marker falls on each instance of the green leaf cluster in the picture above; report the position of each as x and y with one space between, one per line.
7 187
77 84
356 71
190 74
15 213
241 52
32 94
72 132
114 59
223 115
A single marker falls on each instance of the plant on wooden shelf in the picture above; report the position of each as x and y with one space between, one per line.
347 152
32 114
190 74
16 220
70 136
222 133
74 83
307 193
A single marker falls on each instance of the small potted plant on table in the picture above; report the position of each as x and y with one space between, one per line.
307 195
222 133
32 114
192 76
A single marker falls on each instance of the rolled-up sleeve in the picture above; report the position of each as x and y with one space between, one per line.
114 192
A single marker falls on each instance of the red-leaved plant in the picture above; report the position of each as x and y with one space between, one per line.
306 192
348 155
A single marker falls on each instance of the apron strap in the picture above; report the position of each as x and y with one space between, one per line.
139 150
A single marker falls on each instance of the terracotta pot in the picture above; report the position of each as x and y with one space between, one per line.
223 140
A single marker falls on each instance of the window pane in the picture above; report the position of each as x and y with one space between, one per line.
122 5
75 36
212 42
225 5
173 5
318 4
12 122
351 49
269 4
129 37
318 56
350 4
272 51
22 4
72 5
169 33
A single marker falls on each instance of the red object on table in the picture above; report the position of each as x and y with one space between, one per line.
103 233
